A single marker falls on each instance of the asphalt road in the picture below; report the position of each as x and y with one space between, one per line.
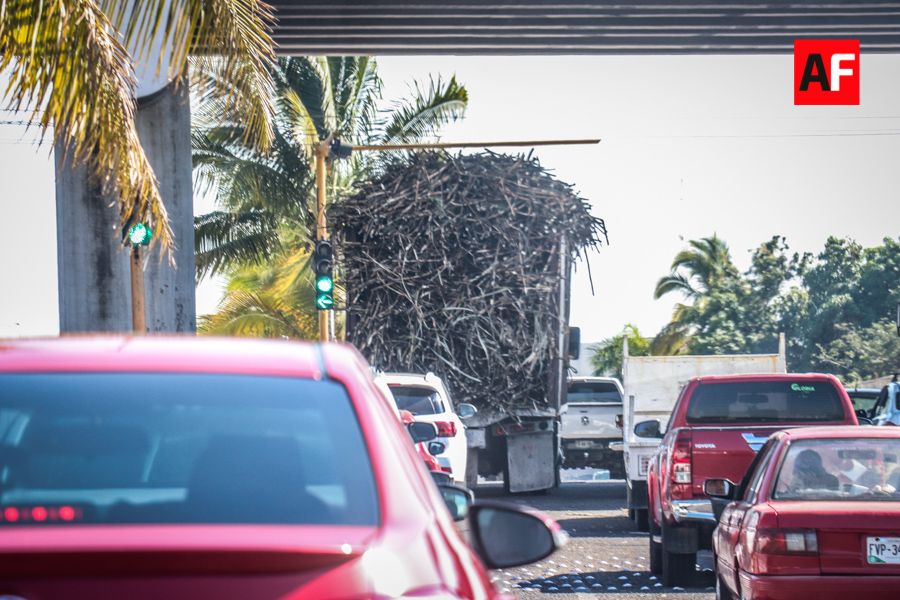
604 556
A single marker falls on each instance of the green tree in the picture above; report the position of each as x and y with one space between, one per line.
268 200
696 273
70 70
607 356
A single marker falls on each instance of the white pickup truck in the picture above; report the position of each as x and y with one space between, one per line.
591 425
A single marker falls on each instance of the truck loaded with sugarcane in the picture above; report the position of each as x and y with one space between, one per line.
461 265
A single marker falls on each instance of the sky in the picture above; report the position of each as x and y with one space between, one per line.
691 146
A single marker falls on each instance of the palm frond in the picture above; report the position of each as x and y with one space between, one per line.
222 239
674 282
231 45
430 109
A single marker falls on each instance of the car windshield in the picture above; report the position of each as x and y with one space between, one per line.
180 448
840 469
417 400
765 402
593 391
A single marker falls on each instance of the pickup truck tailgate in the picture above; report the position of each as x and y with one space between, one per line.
585 420
725 452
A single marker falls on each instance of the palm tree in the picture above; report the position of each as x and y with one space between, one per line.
268 201
69 67
606 357
695 272
266 196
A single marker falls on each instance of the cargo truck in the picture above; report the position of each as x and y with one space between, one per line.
652 386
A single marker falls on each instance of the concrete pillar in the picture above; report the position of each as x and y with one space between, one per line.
94 275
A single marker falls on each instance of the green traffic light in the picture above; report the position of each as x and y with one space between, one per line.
139 234
324 284
324 302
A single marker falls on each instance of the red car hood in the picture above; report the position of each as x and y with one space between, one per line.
177 549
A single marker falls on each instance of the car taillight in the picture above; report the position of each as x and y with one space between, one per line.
680 468
620 421
445 428
786 541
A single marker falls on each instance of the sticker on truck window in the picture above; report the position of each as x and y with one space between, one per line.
802 388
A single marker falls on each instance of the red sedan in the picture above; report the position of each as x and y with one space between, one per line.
221 468
816 516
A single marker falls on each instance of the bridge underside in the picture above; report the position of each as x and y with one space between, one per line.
506 27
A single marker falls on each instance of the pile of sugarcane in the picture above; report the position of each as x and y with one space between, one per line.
452 265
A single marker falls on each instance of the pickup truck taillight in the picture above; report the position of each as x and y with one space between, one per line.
680 469
445 428
620 422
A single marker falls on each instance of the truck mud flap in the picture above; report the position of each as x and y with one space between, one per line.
531 461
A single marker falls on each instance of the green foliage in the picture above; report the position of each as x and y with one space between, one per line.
836 309
606 359
71 73
261 236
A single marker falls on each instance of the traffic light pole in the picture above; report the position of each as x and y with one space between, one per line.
321 230
138 310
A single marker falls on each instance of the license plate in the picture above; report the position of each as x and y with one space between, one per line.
883 550
584 444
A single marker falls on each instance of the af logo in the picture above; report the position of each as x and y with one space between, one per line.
826 72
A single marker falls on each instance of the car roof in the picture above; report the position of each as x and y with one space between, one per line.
165 353
766 377
842 431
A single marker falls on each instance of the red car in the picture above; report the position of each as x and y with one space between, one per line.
148 468
816 516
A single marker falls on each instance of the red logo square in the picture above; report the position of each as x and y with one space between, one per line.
826 72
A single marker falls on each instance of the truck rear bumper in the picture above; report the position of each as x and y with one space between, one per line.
692 511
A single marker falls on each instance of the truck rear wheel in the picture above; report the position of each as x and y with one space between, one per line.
677 568
640 519
656 566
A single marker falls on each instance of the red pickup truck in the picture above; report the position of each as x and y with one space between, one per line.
716 428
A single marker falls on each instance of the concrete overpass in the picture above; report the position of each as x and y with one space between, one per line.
94 276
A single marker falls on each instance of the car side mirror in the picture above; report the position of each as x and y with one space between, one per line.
647 429
507 535
435 448
719 488
422 432
466 411
458 499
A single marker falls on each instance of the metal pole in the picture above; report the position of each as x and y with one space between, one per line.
417 146
138 312
321 231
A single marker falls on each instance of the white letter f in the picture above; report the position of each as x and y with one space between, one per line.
837 71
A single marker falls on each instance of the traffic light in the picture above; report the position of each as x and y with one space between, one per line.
323 265
139 235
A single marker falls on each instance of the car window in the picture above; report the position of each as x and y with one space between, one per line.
418 400
593 391
863 400
765 402
749 485
840 469
181 448
881 404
